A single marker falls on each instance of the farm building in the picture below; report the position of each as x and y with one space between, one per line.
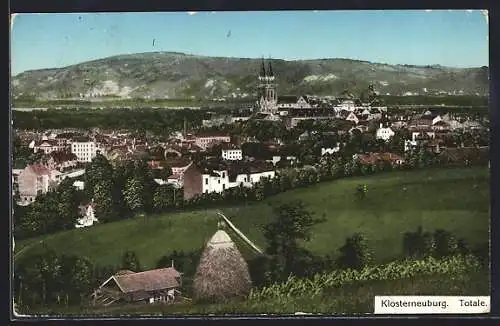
157 285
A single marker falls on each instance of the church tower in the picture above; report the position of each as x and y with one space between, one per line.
267 95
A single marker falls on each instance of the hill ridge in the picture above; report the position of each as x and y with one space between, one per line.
171 74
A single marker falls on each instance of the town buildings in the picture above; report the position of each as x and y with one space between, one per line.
232 154
208 179
85 149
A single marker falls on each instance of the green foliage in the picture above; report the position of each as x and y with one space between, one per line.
293 223
355 254
134 195
313 287
130 261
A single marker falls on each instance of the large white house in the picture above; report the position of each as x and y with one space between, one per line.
85 151
199 181
384 133
218 181
234 154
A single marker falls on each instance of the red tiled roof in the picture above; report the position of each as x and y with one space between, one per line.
156 279
372 158
39 169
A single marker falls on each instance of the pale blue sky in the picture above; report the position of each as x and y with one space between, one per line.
449 38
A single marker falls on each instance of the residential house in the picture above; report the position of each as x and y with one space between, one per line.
87 216
232 154
441 125
86 149
410 145
33 180
199 180
207 140
330 150
157 285
293 102
178 165
62 160
47 146
352 117
373 158
384 133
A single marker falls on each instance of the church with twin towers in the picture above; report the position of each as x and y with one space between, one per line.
267 95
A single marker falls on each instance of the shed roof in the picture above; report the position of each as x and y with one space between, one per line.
156 279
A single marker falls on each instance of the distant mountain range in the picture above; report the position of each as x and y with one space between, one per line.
178 75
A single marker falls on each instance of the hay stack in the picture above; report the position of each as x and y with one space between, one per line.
222 273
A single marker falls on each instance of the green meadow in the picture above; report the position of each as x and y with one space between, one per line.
457 200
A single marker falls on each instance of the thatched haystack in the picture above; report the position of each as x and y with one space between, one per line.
222 273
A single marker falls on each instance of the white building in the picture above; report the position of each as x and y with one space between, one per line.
410 144
88 217
330 150
80 185
218 181
232 154
384 133
85 151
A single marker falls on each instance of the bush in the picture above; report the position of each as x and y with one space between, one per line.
355 254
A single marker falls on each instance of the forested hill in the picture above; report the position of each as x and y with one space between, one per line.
177 75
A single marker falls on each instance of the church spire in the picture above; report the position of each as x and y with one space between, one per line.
263 69
270 70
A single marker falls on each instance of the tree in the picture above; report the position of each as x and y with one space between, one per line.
133 195
355 254
417 244
444 243
99 170
130 261
293 223
68 205
79 275
103 198
163 198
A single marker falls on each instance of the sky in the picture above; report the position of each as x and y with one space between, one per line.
457 38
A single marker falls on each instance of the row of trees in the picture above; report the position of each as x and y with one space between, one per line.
157 121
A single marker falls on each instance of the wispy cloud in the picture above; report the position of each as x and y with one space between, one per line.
192 13
428 10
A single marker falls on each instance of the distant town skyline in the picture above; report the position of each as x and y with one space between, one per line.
454 38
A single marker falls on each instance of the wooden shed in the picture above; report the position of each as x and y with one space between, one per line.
157 285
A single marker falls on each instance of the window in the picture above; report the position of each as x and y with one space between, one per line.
223 187
218 181
206 181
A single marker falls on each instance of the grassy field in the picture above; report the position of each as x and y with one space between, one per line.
453 199
356 298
